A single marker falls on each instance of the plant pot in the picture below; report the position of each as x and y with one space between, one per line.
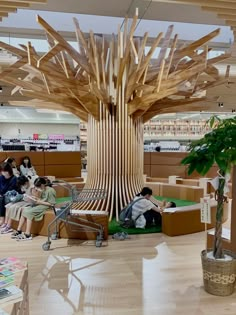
219 276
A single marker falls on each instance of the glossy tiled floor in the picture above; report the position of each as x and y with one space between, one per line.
145 275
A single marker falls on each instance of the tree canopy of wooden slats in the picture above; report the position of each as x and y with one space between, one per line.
115 85
225 9
11 6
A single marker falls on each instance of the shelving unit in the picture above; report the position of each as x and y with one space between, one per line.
19 306
67 144
83 144
180 129
161 130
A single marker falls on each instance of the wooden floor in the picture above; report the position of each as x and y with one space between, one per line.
146 275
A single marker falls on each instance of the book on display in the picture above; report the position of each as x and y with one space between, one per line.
8 270
9 261
9 294
2 312
6 280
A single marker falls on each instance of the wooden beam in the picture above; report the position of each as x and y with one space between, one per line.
219 10
34 1
14 4
230 22
3 14
7 9
209 3
231 17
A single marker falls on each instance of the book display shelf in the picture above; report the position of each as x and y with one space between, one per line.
180 129
13 287
163 129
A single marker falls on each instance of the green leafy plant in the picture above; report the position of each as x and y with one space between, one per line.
217 146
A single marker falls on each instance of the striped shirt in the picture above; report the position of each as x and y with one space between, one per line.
141 207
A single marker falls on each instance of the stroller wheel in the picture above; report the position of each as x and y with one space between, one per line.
54 236
46 246
98 243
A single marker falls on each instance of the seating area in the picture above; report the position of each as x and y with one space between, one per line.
58 164
164 164
66 166
68 231
187 220
184 220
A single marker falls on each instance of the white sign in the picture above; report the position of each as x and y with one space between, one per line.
203 184
172 180
206 210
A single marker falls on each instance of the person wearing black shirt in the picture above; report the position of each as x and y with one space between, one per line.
8 182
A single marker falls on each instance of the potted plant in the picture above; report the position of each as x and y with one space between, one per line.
217 146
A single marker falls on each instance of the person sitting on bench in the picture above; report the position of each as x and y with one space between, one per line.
36 212
14 208
146 211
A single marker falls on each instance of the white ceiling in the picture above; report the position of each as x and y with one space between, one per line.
104 16
150 10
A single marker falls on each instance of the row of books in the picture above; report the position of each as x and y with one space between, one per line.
8 291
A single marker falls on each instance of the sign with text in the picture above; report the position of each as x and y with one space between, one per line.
56 137
206 210
43 136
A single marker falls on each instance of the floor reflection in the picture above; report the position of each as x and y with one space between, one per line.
91 286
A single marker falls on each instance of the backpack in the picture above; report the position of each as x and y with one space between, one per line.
126 215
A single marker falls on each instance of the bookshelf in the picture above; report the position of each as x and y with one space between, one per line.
18 305
179 129
83 144
182 130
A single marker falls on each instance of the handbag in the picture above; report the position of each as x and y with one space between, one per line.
12 196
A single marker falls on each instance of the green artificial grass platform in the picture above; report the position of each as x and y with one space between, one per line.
179 202
114 226
63 199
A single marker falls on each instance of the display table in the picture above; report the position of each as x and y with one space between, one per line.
19 306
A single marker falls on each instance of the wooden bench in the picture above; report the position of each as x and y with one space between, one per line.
185 192
186 182
186 220
68 231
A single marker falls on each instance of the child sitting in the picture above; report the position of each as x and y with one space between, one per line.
35 212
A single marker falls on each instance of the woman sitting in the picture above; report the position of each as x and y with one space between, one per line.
26 168
144 211
14 209
8 182
12 162
35 212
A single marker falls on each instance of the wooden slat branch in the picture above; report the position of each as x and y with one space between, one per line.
106 72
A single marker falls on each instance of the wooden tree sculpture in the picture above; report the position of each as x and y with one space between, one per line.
111 83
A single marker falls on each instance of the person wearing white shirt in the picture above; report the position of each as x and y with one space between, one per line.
26 168
145 212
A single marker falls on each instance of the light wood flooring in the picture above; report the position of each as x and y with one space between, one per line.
145 275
